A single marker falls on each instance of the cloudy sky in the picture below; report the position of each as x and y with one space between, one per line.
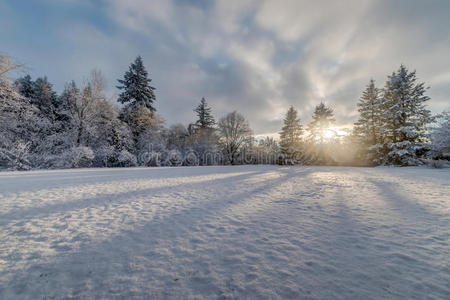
257 57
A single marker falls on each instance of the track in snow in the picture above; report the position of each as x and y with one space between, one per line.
225 232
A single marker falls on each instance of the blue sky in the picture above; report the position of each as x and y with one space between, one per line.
257 57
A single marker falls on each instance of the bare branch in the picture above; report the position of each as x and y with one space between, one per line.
7 65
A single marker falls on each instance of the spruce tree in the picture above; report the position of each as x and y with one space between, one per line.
203 134
322 120
25 86
205 118
405 118
137 91
367 128
44 97
67 102
290 135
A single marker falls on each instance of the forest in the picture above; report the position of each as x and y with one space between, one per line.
81 127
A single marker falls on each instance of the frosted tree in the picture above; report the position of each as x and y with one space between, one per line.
440 136
291 134
234 132
368 129
18 121
7 65
86 108
177 136
67 101
203 134
25 86
45 98
267 151
368 126
405 118
139 111
136 88
205 118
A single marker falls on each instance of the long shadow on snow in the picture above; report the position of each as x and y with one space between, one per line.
397 252
118 246
24 214
401 203
35 181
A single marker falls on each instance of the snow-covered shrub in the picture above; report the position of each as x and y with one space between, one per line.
110 157
440 137
16 158
103 156
76 157
126 159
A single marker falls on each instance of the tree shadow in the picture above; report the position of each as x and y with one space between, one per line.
85 269
33 181
401 203
24 214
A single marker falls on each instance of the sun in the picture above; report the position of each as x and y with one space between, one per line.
329 133
333 132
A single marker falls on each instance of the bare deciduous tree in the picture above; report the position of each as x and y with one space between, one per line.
7 65
234 132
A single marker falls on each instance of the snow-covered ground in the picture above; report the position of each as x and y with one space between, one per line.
248 232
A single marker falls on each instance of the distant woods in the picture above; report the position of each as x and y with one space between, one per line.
80 127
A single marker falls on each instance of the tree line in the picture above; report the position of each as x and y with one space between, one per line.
81 128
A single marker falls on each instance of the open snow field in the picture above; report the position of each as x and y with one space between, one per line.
247 232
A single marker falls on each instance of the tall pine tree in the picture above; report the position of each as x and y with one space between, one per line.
323 118
45 98
367 128
25 86
137 91
405 118
290 135
203 134
205 117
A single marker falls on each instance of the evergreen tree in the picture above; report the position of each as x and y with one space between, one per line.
137 91
44 97
290 135
67 102
25 86
367 128
405 118
203 135
322 120
205 118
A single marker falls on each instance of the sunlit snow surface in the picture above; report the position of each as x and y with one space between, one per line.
247 232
